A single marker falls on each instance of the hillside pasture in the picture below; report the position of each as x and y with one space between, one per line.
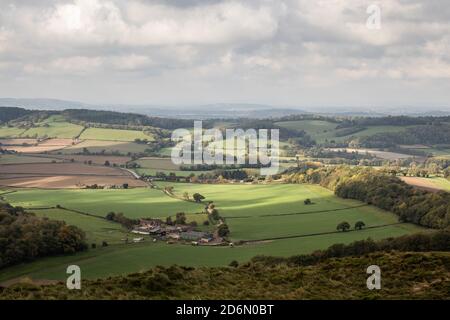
387 155
100 147
322 131
97 229
157 163
10 132
133 203
114 134
53 127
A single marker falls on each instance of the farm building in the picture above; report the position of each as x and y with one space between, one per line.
194 235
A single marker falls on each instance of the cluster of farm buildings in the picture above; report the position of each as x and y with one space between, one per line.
173 233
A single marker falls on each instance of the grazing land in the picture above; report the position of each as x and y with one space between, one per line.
97 229
133 203
105 147
157 163
322 131
53 127
379 154
10 132
113 134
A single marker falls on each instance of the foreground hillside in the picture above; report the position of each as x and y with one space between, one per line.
404 276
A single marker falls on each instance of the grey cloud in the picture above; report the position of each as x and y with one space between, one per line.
211 51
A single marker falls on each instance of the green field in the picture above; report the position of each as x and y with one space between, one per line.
151 166
10 132
157 163
322 131
179 173
114 134
439 182
96 229
54 127
133 203
107 147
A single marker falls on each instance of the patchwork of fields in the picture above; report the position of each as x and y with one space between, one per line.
48 177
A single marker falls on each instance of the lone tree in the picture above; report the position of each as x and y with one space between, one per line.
198 197
307 201
180 218
359 225
343 226
223 230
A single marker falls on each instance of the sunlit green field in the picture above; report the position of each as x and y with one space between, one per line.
54 127
10 132
114 134
97 230
104 146
133 203
321 131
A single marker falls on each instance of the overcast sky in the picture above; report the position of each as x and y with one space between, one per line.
184 52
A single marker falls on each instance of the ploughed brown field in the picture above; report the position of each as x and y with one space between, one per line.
421 184
64 175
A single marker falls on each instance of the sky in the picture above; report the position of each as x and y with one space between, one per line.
187 52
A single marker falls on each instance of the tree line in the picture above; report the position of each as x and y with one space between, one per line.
25 237
381 190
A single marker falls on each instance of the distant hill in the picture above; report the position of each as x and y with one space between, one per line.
211 111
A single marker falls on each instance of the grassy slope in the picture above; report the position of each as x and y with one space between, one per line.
56 127
114 134
97 230
134 203
97 146
426 277
442 183
10 132
323 130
